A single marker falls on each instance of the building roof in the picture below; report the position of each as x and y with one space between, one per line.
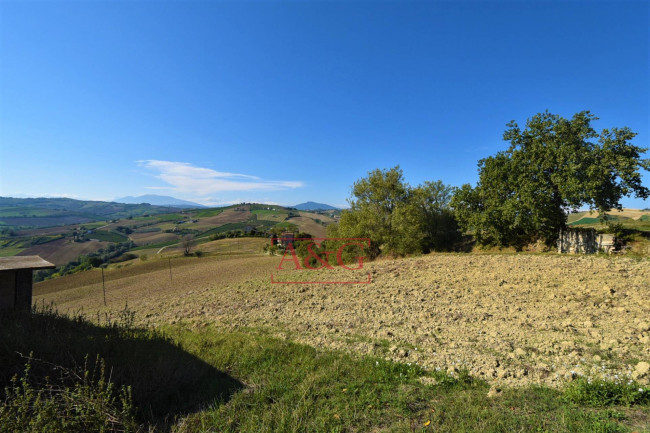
23 262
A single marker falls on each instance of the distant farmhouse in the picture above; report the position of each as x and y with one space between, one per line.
16 281
284 240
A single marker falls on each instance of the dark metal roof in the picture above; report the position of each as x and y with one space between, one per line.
24 262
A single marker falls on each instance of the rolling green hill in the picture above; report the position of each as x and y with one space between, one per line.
49 212
64 231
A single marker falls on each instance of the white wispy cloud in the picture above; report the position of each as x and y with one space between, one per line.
187 178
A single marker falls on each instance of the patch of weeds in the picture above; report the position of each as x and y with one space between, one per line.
76 401
598 392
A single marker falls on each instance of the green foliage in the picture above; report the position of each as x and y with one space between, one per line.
598 392
397 218
551 168
148 375
123 258
438 221
89 403
125 230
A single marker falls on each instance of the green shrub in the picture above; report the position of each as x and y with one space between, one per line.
81 401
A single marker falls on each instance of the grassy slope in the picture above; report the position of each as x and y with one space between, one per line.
293 387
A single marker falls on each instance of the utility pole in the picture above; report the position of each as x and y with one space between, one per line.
170 269
103 287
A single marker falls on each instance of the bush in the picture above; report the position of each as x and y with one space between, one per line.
76 402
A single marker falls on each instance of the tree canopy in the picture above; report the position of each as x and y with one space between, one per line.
398 218
552 167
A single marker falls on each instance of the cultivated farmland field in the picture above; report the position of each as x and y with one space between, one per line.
152 238
232 215
63 251
313 215
270 215
511 320
308 225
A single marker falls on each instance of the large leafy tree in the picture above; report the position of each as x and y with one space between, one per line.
552 167
397 218
437 221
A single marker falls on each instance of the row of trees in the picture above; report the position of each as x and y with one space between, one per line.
552 167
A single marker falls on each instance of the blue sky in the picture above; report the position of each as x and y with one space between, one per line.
285 102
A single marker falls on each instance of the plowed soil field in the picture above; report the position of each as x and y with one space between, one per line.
510 319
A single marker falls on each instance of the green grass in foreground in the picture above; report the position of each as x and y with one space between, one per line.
293 387
214 380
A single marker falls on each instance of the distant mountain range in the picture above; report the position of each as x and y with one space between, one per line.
310 205
159 200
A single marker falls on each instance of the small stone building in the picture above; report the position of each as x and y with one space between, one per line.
585 241
16 281
286 238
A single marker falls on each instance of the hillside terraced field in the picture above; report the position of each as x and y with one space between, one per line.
511 319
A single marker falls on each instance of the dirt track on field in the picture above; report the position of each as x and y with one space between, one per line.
512 319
